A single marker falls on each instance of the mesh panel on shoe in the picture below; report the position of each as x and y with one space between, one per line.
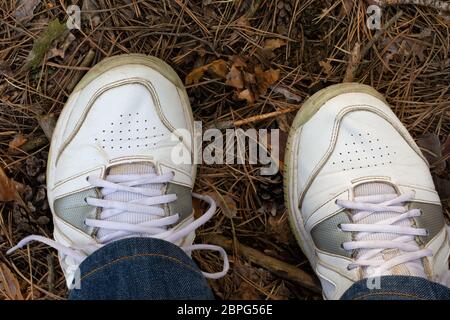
74 210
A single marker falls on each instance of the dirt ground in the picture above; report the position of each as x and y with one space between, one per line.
247 64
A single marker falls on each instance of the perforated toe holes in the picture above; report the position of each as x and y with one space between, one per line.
130 131
361 150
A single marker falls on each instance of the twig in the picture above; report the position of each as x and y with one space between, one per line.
31 145
280 268
439 5
51 273
353 63
260 117
85 63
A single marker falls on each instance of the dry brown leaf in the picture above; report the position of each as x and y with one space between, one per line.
279 229
273 44
219 67
18 141
9 284
225 203
430 146
195 75
47 124
25 9
249 79
238 62
246 95
326 67
8 189
234 78
60 50
266 78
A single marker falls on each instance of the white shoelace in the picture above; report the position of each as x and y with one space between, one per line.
157 227
410 253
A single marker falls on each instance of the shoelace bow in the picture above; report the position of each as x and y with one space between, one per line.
368 205
148 204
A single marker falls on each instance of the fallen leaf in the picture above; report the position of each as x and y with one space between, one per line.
279 229
430 146
326 67
225 203
47 124
195 75
8 188
25 10
18 141
246 95
266 78
238 62
287 93
273 44
9 284
219 67
43 43
60 50
234 78
249 79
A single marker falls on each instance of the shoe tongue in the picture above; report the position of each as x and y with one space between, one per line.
122 196
380 188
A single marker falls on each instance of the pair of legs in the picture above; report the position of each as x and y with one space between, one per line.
359 193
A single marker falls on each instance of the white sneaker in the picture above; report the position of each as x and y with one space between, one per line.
110 169
359 193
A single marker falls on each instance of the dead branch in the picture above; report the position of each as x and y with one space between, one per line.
280 268
439 5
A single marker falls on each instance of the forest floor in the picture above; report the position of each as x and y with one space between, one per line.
246 64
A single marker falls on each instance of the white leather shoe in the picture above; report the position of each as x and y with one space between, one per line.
359 193
110 169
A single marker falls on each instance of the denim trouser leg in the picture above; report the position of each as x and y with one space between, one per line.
398 288
141 268
147 268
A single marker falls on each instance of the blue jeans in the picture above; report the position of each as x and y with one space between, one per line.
146 268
